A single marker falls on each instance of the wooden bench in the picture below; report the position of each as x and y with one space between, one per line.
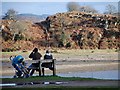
41 68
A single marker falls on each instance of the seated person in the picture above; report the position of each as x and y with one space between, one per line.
48 56
35 55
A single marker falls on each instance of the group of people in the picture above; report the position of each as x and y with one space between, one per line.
17 63
35 55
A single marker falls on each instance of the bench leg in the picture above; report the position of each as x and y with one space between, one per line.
39 72
54 68
43 71
54 71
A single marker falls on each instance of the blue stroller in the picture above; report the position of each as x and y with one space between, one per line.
20 67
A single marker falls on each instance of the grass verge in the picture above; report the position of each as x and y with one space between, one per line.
45 78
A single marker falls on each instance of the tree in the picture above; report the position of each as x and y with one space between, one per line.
11 14
18 26
88 9
110 9
73 6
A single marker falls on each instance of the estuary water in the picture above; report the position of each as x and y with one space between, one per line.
109 75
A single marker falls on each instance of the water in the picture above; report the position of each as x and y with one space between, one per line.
9 84
31 83
110 75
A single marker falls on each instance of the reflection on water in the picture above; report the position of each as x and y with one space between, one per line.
11 84
112 74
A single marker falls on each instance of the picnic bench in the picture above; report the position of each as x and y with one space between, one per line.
41 68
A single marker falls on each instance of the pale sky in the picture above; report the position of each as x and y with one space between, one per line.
48 7
60 0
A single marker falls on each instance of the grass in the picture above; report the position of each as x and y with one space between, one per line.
45 78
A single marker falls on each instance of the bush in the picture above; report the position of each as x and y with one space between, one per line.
60 44
24 50
117 50
7 50
10 49
54 51
18 37
68 45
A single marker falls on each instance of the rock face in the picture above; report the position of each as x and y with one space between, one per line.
82 30
69 30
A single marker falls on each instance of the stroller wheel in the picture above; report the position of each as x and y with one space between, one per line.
14 76
26 76
19 74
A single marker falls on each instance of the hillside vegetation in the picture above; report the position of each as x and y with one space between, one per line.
67 30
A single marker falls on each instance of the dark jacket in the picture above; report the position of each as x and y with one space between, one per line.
35 56
48 64
48 56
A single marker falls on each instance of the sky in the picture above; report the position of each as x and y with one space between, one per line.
59 0
50 8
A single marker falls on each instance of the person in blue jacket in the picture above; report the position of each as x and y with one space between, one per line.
17 63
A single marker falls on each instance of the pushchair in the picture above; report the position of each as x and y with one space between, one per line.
20 67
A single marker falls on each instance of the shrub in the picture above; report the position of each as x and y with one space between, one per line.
68 45
8 50
18 37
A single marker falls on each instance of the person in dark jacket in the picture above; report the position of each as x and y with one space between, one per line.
35 55
47 56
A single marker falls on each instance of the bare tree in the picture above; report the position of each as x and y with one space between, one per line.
88 9
73 6
11 14
110 9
